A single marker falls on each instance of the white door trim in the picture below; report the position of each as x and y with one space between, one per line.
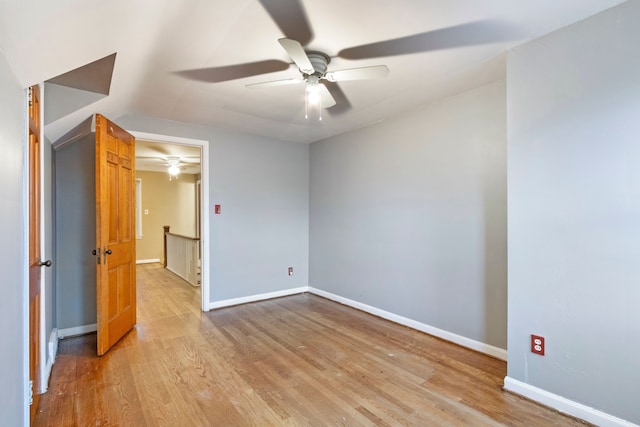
26 390
44 189
204 214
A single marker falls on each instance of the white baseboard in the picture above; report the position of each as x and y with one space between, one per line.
78 330
53 346
183 277
564 405
147 261
52 351
254 298
498 353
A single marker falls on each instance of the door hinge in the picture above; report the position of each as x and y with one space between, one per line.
30 392
30 97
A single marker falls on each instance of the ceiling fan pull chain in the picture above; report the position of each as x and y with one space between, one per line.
306 104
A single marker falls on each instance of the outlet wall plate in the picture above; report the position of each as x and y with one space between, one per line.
537 344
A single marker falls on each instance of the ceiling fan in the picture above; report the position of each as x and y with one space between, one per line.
291 18
313 67
173 165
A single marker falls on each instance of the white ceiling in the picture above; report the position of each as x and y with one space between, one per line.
153 156
156 39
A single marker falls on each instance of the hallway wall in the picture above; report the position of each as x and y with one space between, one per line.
167 202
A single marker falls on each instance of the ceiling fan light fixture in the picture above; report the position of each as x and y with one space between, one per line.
174 166
313 94
312 97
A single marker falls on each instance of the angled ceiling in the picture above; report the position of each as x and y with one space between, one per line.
78 88
191 60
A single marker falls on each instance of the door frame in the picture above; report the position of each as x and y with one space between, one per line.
204 205
25 259
46 359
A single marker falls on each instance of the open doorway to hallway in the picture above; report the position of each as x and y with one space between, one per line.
169 210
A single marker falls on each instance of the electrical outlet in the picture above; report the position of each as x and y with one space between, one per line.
290 271
537 344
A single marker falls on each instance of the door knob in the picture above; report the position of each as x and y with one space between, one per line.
108 252
46 263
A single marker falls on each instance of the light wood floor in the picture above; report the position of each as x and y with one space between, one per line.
294 361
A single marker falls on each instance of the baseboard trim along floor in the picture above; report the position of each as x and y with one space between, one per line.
78 330
253 298
564 405
147 261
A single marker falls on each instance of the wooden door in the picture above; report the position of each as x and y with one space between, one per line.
34 245
115 233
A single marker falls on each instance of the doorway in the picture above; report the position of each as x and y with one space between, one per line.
201 212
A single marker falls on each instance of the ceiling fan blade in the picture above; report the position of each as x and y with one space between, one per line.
290 17
342 102
363 73
274 83
232 72
468 34
326 99
160 159
297 53
189 160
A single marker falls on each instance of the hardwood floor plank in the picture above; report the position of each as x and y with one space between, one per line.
294 361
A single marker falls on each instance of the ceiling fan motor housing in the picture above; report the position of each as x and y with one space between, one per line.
320 62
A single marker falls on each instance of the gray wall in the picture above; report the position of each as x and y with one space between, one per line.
263 187
574 211
75 223
409 215
12 258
